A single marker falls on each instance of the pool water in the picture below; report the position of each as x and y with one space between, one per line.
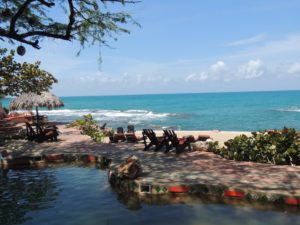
82 195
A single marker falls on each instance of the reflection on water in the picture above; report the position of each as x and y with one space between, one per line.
77 195
22 191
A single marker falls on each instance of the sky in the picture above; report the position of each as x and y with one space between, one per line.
184 47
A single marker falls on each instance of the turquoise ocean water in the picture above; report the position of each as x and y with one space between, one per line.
204 111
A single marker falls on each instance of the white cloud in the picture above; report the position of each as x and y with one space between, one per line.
159 79
124 79
275 50
270 59
212 73
166 80
190 77
219 71
248 41
218 67
100 77
273 58
252 69
196 77
139 79
294 69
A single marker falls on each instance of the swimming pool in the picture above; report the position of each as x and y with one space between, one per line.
82 195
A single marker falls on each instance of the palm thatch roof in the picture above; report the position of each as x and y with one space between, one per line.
29 100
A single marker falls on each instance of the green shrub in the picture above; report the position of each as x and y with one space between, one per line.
88 126
280 147
213 147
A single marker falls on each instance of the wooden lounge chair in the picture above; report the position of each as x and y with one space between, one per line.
132 138
119 136
158 142
130 129
41 134
203 137
178 143
130 135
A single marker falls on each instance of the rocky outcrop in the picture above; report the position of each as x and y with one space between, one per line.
130 169
199 146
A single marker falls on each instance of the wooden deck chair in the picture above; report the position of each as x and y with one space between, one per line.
178 143
31 134
132 138
130 129
42 134
119 136
130 135
158 142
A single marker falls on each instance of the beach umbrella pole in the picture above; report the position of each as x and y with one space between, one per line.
37 118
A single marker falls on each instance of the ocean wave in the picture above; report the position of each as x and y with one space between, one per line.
136 111
135 115
289 110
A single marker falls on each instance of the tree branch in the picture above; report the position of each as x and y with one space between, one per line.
12 29
17 15
45 34
48 4
121 1
30 34
20 39
71 19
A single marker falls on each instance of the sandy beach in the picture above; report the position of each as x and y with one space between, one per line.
216 135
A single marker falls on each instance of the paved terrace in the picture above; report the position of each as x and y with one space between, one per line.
188 168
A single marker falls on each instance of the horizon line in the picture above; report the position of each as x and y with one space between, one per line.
171 93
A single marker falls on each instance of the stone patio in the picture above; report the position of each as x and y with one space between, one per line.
188 169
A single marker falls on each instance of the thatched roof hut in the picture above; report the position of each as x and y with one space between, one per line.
30 100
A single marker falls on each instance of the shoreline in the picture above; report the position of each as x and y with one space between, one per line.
216 135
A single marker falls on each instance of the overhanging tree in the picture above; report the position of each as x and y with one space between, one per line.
17 78
87 21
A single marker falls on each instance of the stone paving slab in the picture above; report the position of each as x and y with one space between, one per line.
188 168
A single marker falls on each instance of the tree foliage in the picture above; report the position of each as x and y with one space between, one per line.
17 78
88 126
280 147
86 21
